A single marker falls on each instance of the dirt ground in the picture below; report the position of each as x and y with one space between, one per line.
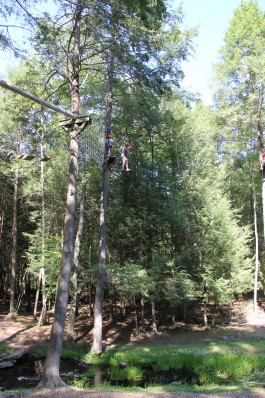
244 325
70 393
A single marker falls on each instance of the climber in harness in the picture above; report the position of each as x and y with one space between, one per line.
124 154
108 142
109 158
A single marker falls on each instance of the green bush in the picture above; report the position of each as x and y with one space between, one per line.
132 374
83 383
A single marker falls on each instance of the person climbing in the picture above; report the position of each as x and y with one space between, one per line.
124 155
262 159
108 142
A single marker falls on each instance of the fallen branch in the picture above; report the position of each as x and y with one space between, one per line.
255 384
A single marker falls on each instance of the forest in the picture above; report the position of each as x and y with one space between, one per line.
184 226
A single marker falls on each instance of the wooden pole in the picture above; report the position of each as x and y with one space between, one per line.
36 99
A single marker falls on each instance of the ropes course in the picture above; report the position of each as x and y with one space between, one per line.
92 141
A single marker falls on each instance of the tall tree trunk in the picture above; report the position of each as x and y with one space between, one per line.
136 318
22 292
1 224
255 298
111 307
205 315
14 249
43 315
143 329
263 200
259 131
51 377
205 302
99 297
184 311
42 320
73 306
154 321
37 295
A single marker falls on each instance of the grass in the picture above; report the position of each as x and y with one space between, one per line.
106 386
131 374
216 367
256 347
211 365
76 351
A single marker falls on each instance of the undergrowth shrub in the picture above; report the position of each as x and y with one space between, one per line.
131 374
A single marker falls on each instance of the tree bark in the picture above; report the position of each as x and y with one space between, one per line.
263 200
99 297
154 321
42 320
43 315
143 329
136 317
73 307
51 377
14 249
1 224
255 298
205 315
111 307
37 295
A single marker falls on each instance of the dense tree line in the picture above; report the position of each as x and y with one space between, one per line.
185 225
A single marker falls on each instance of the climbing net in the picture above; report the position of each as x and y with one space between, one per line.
93 143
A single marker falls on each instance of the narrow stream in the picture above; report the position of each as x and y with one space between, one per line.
27 372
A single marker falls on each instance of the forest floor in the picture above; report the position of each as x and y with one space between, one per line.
243 325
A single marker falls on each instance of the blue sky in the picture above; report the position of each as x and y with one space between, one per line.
212 19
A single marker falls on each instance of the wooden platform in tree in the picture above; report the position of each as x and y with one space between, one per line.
109 160
79 120
45 158
27 157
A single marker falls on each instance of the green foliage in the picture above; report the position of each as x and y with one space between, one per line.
209 368
73 352
179 287
76 352
240 77
132 374
222 245
218 369
178 223
82 383
5 348
129 280
240 103
48 256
